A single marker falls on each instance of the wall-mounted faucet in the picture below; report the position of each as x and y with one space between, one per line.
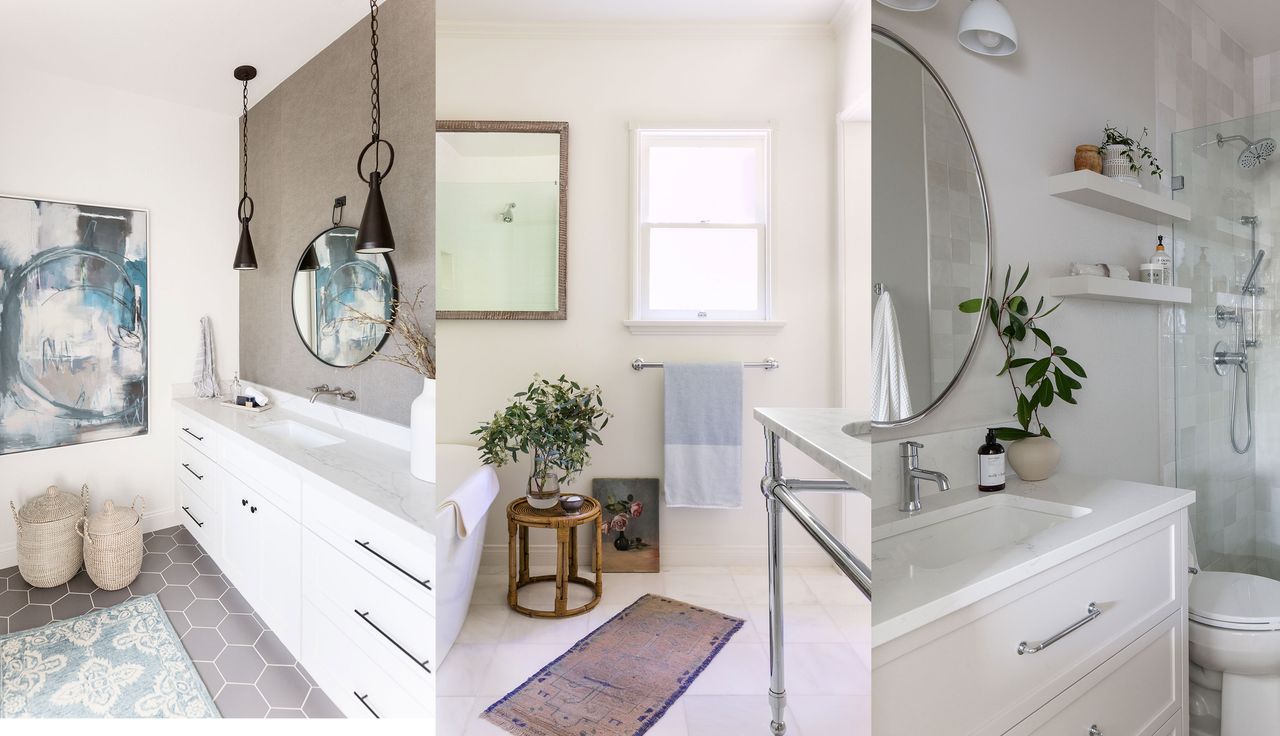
507 215
324 390
912 474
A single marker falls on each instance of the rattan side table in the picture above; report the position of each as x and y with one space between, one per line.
521 517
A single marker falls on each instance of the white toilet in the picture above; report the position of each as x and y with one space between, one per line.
1234 633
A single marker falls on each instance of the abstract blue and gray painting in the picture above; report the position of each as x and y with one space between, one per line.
73 324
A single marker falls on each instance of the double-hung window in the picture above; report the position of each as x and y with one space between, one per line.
702 225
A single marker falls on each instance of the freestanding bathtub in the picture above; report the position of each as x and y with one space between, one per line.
474 487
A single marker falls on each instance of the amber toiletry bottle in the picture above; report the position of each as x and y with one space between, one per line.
991 464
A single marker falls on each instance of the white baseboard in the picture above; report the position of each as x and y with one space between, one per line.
151 521
675 555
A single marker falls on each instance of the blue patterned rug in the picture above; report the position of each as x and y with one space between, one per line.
120 662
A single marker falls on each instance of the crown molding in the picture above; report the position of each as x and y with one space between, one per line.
636 31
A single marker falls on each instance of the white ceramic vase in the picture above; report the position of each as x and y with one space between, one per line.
422 433
1116 166
1035 458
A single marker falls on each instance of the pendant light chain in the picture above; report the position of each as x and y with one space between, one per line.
375 96
244 143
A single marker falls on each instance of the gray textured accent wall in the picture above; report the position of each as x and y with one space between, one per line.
304 138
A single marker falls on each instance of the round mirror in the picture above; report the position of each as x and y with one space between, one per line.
931 244
343 301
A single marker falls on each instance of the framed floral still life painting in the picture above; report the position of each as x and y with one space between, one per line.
630 523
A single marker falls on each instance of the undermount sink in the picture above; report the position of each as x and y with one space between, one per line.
939 539
857 429
298 434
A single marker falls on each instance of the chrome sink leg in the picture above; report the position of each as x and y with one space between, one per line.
777 673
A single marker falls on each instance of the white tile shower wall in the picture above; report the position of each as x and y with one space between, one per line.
178 162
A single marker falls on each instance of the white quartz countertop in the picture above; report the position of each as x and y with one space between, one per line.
909 596
820 434
373 471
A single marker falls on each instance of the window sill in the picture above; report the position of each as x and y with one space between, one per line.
704 327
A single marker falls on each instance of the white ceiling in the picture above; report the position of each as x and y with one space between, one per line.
637 11
1254 24
179 50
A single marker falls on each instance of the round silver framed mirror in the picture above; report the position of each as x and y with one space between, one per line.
931 236
343 301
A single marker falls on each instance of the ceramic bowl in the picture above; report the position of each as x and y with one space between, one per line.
571 504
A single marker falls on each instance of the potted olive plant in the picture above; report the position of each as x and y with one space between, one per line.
1124 158
1037 379
554 423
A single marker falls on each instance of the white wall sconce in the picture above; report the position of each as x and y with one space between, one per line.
987 28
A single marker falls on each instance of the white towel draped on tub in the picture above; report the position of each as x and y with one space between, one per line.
890 395
703 428
205 378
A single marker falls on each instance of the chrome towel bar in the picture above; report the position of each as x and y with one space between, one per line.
768 364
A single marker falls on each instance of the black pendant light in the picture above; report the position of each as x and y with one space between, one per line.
375 229
245 258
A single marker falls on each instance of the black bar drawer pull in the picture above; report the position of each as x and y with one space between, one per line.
189 470
187 510
364 701
424 583
193 434
423 663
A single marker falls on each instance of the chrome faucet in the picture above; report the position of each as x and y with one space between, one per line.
324 390
912 474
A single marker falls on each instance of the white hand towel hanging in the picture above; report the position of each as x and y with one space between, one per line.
206 378
890 395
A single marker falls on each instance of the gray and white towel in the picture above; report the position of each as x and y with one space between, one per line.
703 434
205 378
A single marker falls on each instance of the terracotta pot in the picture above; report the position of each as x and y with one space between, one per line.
1088 158
1035 458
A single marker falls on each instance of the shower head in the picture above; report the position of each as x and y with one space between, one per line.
1255 153
1253 272
506 214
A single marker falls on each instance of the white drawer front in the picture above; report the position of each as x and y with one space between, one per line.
976 680
196 432
264 473
347 675
1134 697
396 634
403 564
201 519
197 472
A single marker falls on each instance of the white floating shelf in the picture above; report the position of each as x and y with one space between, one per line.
1095 190
1118 290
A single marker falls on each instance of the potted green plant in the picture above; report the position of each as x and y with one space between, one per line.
1124 158
1038 376
554 423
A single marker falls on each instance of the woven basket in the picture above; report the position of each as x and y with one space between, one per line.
113 545
49 552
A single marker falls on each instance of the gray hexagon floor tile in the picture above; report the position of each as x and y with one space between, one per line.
273 650
185 553
240 664
179 573
206 566
47 595
146 583
203 644
241 701
319 705
240 628
206 613
30 616
235 603
109 598
155 562
286 713
176 597
72 605
160 544
11 601
283 687
209 586
81 583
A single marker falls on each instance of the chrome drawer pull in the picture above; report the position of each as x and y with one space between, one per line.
365 617
363 699
1094 730
193 434
189 470
424 583
187 509
1025 648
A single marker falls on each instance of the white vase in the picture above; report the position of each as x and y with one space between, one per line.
1116 166
1035 458
422 433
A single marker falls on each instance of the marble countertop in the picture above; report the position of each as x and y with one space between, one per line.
908 597
820 434
373 471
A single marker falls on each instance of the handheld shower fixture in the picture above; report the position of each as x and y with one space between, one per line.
1248 287
506 214
1255 153
1245 323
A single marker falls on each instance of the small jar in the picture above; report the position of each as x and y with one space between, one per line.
1088 158
1152 273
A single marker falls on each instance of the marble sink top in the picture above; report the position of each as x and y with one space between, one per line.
836 439
967 545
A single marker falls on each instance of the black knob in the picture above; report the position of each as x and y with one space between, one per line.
244 502
253 509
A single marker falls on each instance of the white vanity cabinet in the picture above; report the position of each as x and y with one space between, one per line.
1096 642
347 587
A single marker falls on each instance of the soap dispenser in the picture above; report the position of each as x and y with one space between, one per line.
991 468
1162 259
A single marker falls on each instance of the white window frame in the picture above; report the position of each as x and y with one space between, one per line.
647 320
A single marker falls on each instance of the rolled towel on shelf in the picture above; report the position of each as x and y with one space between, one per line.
258 395
1106 270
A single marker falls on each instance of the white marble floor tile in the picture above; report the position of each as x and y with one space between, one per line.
565 631
830 715
485 624
826 669
462 672
736 670
721 715
801 623
453 715
514 664
754 589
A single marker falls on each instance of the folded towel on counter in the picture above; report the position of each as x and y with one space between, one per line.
205 378
702 405
1108 270
258 395
890 394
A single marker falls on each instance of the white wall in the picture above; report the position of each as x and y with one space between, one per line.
600 87
67 140
1027 113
